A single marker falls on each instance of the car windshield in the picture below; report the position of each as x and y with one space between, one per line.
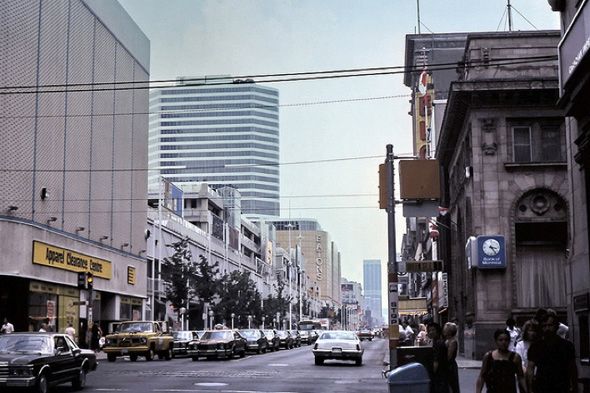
282 334
250 333
14 343
134 327
215 335
183 335
338 336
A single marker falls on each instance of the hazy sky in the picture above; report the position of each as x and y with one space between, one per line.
245 37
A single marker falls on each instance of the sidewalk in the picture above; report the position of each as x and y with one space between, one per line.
462 362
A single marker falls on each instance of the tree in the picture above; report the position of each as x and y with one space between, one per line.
179 272
277 304
238 294
207 285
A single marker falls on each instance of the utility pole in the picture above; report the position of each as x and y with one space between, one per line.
509 16
387 192
418 8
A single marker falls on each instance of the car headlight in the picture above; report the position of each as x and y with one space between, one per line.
24 371
143 340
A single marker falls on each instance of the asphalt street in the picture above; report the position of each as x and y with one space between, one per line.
286 371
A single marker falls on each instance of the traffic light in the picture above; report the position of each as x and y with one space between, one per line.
81 280
89 280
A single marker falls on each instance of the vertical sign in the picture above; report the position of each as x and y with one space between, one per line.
393 298
131 278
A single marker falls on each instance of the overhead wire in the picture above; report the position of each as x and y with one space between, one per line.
38 89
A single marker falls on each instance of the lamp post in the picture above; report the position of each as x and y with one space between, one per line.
249 321
263 318
289 226
211 320
274 322
232 320
182 311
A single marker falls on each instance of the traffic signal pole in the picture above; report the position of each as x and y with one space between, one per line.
392 267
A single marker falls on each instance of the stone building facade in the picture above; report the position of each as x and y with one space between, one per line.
503 160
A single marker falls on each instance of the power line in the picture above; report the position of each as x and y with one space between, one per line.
145 199
212 109
227 166
298 77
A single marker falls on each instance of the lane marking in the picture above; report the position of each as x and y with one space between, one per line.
278 365
209 384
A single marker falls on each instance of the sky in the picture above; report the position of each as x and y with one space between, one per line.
249 37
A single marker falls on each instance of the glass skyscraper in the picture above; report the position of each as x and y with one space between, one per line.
372 288
217 131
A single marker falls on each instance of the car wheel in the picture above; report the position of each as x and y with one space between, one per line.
42 385
111 357
168 355
80 381
319 361
133 358
359 361
149 355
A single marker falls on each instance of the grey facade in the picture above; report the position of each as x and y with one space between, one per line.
372 290
217 131
574 97
503 161
75 157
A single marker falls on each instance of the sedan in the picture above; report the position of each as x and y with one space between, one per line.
285 339
40 360
296 337
274 342
365 334
221 343
182 342
338 344
256 341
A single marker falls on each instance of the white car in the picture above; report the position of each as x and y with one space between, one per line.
338 344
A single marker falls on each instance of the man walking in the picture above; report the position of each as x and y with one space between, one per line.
552 362
7 327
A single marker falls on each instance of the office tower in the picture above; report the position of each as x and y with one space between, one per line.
215 130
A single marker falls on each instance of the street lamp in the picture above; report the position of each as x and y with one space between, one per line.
232 320
249 321
211 320
263 318
274 323
182 311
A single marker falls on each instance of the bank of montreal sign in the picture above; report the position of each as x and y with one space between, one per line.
486 252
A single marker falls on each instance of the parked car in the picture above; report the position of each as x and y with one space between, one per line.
305 336
285 339
338 344
221 343
274 342
365 334
296 337
256 341
182 340
41 360
315 334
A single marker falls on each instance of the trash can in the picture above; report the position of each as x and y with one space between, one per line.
411 378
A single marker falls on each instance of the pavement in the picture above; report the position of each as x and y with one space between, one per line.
462 362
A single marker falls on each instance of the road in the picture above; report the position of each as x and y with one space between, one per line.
286 371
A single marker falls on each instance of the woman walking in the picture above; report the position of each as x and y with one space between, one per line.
450 335
530 334
500 367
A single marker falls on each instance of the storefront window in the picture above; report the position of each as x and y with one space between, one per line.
43 309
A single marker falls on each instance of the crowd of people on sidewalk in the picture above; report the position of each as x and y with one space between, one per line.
536 359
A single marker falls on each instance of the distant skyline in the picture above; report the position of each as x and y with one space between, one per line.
350 118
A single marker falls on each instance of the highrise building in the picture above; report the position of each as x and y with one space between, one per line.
372 285
221 132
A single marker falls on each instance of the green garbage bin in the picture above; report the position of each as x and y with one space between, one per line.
411 378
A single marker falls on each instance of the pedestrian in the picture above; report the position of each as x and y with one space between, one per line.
562 330
501 369
409 333
440 364
513 331
422 339
7 327
552 362
530 334
95 334
70 331
450 335
43 328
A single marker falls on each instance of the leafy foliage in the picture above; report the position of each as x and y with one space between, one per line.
238 294
179 271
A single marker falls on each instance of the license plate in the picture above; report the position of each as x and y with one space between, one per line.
124 351
337 350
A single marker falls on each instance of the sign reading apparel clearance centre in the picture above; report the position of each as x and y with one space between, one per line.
61 258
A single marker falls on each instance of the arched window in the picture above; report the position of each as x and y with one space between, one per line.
541 234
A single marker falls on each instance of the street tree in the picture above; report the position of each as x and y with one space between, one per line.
238 295
207 285
180 272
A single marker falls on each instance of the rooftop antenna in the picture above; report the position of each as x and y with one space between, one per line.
418 8
509 16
